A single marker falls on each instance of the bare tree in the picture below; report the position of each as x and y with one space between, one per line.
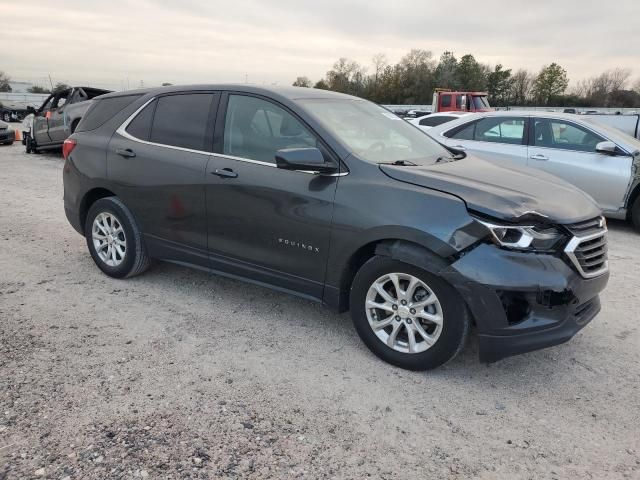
521 84
302 82
379 61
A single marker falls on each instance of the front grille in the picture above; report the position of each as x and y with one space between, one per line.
587 250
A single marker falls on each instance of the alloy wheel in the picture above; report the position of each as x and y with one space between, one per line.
404 313
109 239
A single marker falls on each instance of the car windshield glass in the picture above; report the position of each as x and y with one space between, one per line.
613 133
373 133
480 102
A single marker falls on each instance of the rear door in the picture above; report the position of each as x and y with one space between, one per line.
501 140
270 224
58 128
568 150
157 162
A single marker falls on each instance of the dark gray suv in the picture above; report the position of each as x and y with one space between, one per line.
337 200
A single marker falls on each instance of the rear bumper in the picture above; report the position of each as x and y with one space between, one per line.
523 302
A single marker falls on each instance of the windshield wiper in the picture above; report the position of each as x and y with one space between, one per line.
404 163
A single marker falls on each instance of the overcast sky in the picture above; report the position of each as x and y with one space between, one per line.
113 42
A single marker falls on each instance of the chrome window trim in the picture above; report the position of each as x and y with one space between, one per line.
575 243
122 131
444 132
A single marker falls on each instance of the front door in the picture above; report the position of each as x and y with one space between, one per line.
58 127
157 164
568 151
40 127
265 223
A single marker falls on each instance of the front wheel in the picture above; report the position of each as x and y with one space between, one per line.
635 214
406 316
114 239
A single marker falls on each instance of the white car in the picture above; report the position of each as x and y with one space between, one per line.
427 122
601 160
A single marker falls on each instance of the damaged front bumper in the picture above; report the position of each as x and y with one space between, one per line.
523 301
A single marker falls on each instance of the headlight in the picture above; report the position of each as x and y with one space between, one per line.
524 237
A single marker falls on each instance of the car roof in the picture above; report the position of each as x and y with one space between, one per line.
288 92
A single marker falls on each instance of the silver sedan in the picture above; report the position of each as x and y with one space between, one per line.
601 160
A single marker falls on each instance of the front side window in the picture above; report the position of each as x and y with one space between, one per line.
373 133
256 129
564 135
181 121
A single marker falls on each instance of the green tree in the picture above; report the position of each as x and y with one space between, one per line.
4 82
550 82
321 84
167 84
60 86
499 85
445 74
470 75
416 76
38 89
302 82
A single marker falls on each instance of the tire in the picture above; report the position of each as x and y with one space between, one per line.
6 116
134 259
9 143
448 337
635 214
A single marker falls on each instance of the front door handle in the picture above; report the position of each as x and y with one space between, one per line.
126 152
225 173
538 156
459 147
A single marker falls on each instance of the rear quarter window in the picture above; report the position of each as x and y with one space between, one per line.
103 110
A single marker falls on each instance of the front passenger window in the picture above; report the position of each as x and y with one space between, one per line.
564 135
256 129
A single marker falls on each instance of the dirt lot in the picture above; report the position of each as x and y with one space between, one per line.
179 374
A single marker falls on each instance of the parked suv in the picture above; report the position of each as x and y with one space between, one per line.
337 200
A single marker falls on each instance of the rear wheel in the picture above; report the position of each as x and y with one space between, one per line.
114 239
635 213
407 316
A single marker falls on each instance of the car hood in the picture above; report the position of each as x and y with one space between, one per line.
508 193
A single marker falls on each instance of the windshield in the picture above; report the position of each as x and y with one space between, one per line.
481 103
373 133
614 134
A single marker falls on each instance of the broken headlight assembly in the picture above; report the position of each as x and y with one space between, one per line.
524 237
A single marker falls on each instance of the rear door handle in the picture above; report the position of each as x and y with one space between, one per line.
538 156
126 152
459 147
225 173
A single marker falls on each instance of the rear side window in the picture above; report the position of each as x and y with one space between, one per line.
140 127
181 120
103 110
435 121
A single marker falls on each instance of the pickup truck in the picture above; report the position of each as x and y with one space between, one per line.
57 118
445 100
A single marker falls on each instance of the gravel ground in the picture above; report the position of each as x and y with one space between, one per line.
180 374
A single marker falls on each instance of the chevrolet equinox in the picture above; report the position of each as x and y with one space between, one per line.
335 199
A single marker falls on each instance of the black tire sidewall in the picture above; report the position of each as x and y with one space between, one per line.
107 205
455 325
635 214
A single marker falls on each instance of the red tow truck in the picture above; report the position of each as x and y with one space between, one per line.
444 100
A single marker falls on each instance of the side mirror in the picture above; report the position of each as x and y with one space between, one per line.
308 159
608 148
